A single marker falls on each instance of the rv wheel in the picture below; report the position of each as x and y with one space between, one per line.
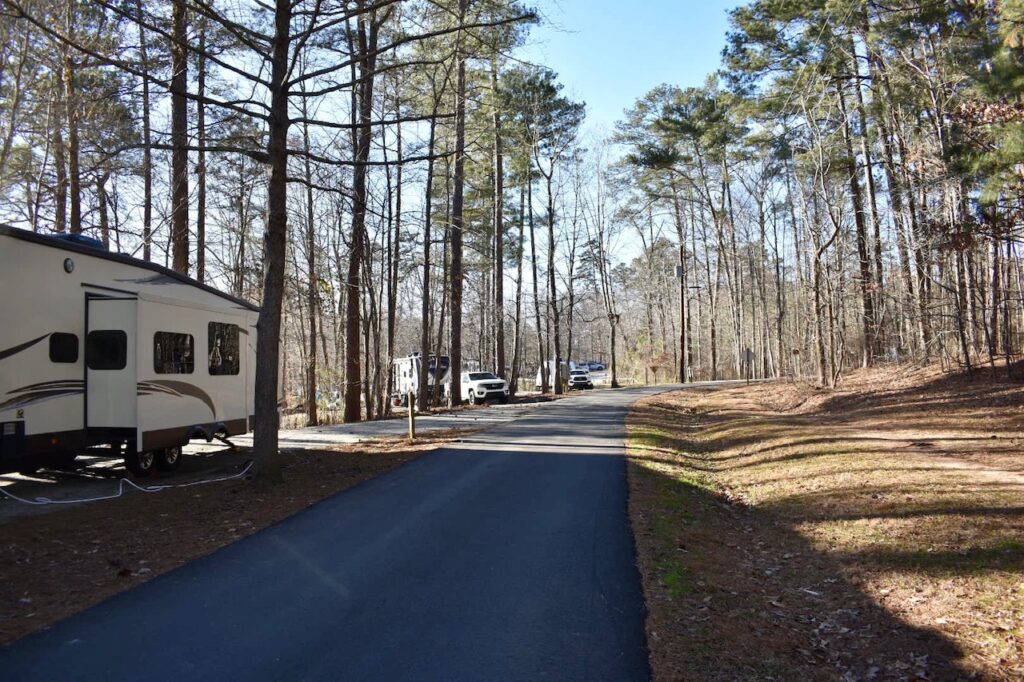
65 461
168 459
140 464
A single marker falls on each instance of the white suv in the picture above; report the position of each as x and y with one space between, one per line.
479 387
580 379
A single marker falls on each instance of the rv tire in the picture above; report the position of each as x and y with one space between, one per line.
65 461
168 459
139 464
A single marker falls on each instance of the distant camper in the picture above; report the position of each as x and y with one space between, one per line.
564 374
406 372
101 349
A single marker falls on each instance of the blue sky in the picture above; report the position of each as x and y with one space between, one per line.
609 53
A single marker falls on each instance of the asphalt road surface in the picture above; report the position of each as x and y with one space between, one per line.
506 557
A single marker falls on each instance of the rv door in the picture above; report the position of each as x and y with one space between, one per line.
110 358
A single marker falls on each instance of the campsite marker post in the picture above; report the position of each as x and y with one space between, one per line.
412 416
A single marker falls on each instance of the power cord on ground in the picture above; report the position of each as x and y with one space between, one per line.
124 483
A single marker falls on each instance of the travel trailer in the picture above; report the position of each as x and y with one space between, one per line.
563 375
105 352
406 372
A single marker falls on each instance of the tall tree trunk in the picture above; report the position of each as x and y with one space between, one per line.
425 302
395 244
265 450
867 297
680 221
147 142
179 136
201 158
60 190
312 290
71 107
499 232
613 321
871 192
544 379
101 204
553 293
459 181
996 298
517 338
367 38
242 232
960 297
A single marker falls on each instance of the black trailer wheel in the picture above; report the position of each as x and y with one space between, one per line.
168 459
65 461
139 464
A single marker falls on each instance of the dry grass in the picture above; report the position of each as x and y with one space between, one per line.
876 531
60 563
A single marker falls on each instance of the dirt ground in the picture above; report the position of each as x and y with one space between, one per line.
59 563
875 531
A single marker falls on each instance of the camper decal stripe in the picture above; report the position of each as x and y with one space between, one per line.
14 350
178 389
66 383
38 396
146 388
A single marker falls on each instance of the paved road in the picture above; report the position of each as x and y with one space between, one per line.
508 556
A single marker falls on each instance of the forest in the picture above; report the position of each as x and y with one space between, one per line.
387 177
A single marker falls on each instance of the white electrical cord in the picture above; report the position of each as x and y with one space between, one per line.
121 489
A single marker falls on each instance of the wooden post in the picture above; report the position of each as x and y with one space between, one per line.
412 415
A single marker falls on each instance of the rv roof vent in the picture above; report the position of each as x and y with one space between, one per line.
81 240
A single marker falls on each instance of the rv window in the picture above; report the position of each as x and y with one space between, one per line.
223 348
63 347
173 353
106 349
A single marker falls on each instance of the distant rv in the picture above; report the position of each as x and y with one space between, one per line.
406 372
101 349
563 374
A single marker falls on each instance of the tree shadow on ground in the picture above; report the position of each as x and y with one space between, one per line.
735 594
980 390
749 591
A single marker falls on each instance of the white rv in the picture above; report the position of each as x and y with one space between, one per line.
101 349
406 372
564 374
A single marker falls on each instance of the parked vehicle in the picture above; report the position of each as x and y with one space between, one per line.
100 349
479 387
579 379
406 373
566 367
